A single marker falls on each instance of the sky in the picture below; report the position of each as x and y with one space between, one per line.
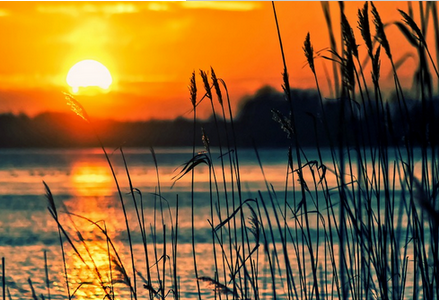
152 48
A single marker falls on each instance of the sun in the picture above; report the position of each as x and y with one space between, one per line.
88 73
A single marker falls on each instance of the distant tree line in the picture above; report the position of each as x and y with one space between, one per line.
261 120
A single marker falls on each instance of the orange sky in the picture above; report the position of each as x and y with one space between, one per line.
151 49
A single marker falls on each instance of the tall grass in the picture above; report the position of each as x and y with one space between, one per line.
359 220
370 229
3 279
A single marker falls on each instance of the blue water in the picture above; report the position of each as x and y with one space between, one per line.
82 183
84 190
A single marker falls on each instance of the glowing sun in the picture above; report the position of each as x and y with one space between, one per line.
88 73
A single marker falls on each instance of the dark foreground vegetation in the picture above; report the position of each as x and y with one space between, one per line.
371 232
255 124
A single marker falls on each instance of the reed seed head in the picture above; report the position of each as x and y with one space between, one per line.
363 25
254 225
376 65
411 23
284 122
309 52
216 86
206 84
205 139
120 272
193 90
217 286
380 34
76 107
348 36
51 201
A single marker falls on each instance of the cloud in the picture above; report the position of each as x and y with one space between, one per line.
76 10
222 5
157 6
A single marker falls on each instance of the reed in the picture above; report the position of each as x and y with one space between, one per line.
193 92
3 279
360 223
46 269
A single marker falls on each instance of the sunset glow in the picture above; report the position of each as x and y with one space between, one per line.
151 48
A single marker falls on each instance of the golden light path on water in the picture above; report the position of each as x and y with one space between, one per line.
92 178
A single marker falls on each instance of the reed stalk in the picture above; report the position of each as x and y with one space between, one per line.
3 278
46 269
193 98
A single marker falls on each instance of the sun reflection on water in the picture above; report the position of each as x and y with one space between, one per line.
93 192
90 179
94 269
92 201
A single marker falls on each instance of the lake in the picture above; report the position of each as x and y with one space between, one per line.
84 190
